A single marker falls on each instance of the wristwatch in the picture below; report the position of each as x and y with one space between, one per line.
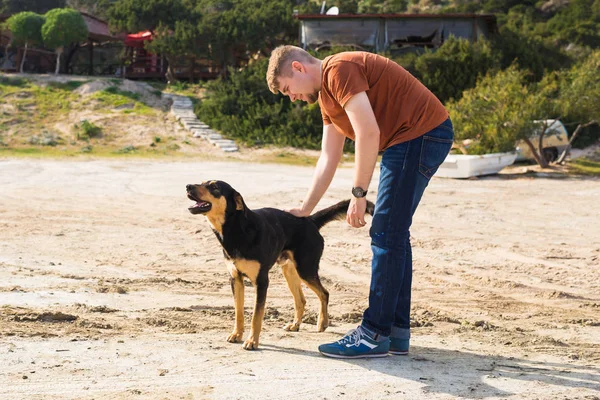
358 192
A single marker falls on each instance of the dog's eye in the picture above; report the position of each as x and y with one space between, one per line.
214 190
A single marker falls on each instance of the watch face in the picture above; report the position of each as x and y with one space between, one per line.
358 192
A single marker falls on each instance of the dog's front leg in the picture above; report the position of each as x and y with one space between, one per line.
262 283
237 287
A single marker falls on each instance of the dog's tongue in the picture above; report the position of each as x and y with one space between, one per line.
200 204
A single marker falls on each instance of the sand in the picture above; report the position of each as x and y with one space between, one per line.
110 289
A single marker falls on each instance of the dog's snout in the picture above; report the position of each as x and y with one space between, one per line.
189 187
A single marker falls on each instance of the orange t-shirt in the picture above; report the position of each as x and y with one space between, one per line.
404 108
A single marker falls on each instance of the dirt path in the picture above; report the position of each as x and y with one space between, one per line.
110 289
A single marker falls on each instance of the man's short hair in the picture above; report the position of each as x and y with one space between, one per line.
280 64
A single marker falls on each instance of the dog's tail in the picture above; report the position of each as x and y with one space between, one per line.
336 211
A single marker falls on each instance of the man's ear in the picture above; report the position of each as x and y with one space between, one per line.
239 202
297 66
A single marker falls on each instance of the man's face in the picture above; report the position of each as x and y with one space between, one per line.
299 86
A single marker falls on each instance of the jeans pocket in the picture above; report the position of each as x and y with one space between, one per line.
433 153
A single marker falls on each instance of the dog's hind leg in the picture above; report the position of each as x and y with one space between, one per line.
237 287
262 283
314 283
288 266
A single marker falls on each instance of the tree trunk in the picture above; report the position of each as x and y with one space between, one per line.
70 53
91 57
192 65
170 75
58 54
541 144
5 62
540 160
23 58
562 157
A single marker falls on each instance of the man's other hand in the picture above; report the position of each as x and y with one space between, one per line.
356 212
298 212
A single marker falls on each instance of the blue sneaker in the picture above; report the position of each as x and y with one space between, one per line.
399 346
356 344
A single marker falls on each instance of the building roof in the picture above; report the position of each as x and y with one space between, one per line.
97 28
489 19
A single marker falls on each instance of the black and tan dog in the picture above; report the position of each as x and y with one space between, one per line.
255 240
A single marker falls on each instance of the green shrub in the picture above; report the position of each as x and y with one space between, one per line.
126 150
455 66
242 107
496 113
87 130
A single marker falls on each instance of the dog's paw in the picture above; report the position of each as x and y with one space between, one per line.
322 325
251 344
235 337
292 327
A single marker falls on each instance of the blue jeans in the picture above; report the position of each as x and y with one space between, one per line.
406 169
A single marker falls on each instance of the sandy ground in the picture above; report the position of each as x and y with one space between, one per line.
110 289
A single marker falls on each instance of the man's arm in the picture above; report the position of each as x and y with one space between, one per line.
366 130
332 148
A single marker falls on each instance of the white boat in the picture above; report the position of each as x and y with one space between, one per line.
467 166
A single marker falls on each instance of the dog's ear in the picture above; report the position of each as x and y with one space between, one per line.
239 202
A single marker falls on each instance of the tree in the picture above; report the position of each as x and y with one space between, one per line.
26 28
136 15
93 7
580 95
172 23
181 42
498 112
63 27
232 29
38 6
382 6
455 66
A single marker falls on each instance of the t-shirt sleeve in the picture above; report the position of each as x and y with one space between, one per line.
346 79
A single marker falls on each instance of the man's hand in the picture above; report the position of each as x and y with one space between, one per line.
356 212
298 212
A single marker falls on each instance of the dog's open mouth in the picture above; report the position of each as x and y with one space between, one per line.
200 207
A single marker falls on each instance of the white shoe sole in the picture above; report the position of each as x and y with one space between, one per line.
377 355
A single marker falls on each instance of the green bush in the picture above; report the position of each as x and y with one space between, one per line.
496 113
455 66
87 130
242 107
528 53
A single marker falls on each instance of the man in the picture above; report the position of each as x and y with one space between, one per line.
378 104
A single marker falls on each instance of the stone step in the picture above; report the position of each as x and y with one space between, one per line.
186 117
221 142
197 128
230 149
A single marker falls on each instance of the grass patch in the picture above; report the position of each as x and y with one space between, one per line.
289 158
38 102
585 166
124 93
70 86
126 150
16 82
112 97
192 90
